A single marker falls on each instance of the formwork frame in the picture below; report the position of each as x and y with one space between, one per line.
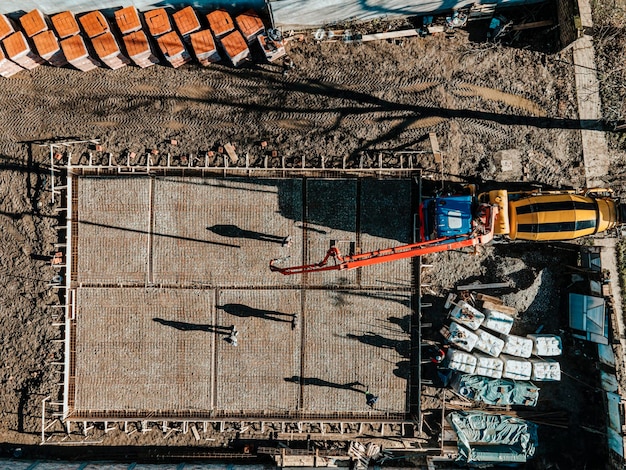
290 425
380 164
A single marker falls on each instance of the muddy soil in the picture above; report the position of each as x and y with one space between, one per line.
341 100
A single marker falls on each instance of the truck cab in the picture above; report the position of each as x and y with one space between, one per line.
447 216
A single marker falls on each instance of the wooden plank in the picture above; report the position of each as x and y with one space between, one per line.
194 431
489 298
500 308
534 24
390 35
434 143
230 150
493 285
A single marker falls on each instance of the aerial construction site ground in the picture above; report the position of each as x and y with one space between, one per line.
487 103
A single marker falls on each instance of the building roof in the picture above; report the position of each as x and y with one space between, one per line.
65 24
158 22
105 45
94 23
220 22
46 43
171 44
249 23
587 315
127 19
33 22
74 48
6 27
202 42
186 21
234 44
15 44
136 43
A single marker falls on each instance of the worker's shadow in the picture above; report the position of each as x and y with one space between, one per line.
232 231
184 326
402 347
296 379
240 310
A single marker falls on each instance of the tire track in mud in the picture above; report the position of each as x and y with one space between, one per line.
515 101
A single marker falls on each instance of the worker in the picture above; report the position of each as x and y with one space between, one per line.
370 399
288 65
232 339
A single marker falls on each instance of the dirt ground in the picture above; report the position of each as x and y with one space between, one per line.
486 102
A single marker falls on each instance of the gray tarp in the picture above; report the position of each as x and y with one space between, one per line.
499 392
493 438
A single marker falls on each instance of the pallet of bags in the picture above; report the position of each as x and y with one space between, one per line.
517 346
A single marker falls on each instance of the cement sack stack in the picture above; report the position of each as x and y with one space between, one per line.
173 49
516 368
65 24
7 26
139 49
47 45
33 22
76 54
462 338
18 50
127 20
546 345
204 47
467 315
186 22
250 25
7 67
461 361
517 346
488 366
488 343
545 370
497 321
108 51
